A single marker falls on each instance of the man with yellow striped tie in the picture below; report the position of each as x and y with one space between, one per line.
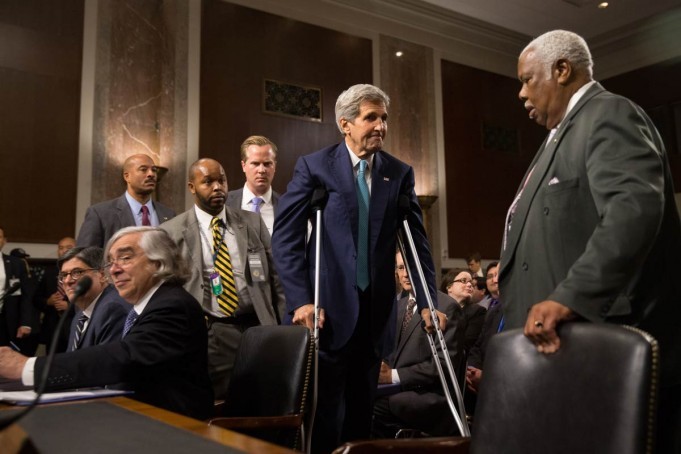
232 272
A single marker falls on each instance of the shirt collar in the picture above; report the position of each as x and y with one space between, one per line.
142 304
248 195
135 205
355 160
574 99
205 218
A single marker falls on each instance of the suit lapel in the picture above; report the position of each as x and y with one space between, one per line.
539 167
125 217
381 187
192 237
341 169
236 222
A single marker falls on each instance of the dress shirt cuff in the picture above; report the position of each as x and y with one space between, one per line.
27 373
395 377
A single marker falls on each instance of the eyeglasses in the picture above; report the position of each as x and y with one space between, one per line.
463 281
75 274
120 261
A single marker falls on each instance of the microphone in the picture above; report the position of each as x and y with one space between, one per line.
12 288
319 198
82 286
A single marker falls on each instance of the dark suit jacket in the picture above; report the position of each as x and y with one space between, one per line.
104 219
597 228
252 236
331 168
476 357
421 403
162 358
234 199
17 309
106 322
474 317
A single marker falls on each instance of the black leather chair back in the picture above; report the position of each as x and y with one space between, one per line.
272 376
596 394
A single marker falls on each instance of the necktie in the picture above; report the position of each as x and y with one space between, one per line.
129 321
256 201
408 315
362 228
80 329
228 299
145 215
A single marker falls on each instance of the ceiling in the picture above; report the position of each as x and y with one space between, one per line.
533 17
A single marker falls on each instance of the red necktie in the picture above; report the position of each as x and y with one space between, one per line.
145 215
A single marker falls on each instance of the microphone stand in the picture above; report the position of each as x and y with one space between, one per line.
460 416
318 202
82 287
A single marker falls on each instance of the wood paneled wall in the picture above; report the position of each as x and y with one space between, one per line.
40 72
239 48
481 182
657 89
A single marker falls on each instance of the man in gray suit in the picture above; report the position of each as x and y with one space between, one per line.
253 283
593 232
100 312
135 207
416 400
259 163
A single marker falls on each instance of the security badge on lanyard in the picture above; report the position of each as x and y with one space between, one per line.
215 283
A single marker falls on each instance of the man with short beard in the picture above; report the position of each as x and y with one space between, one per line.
231 264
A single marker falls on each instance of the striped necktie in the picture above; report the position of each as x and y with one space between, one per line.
80 330
228 299
129 321
362 228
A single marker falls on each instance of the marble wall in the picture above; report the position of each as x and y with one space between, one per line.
140 94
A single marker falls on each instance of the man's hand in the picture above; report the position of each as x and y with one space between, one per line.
385 376
61 306
441 317
542 321
11 363
57 300
473 377
23 331
304 315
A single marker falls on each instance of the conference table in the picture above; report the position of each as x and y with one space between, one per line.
121 425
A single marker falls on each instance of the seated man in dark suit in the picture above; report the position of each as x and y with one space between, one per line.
100 312
419 402
162 353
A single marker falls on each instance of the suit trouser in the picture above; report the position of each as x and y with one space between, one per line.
224 337
347 385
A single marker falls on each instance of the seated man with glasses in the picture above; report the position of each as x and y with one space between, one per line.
100 312
162 352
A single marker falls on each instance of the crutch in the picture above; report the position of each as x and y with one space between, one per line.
460 416
318 202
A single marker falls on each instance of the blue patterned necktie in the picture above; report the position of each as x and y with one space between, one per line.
129 321
80 329
362 228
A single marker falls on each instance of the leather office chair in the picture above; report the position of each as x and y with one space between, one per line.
597 394
270 390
